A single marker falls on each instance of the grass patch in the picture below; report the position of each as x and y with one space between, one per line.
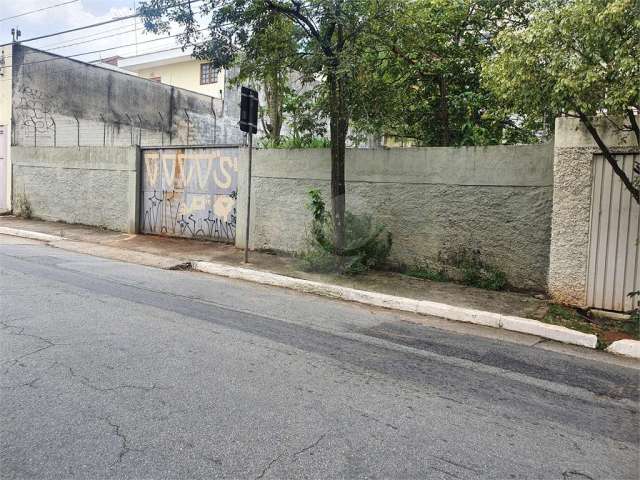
607 330
424 272
461 265
568 317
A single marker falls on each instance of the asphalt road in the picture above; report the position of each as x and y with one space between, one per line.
116 370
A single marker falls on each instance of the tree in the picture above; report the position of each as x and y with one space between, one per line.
328 33
424 71
579 58
273 50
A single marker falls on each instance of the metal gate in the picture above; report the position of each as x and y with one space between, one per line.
190 192
3 169
614 246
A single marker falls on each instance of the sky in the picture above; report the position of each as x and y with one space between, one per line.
76 14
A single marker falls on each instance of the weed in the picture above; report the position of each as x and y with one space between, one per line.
635 311
424 271
23 206
367 246
473 270
567 317
606 329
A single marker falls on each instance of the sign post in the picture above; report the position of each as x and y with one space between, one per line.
249 124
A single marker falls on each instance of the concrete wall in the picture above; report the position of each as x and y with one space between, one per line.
63 102
573 165
497 199
88 185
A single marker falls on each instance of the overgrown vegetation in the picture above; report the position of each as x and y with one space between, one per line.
424 271
22 206
367 244
475 271
296 142
462 265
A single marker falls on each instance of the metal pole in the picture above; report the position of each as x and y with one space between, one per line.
246 235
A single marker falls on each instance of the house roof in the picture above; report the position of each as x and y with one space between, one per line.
155 59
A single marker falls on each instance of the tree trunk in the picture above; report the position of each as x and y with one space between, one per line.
273 96
338 125
444 111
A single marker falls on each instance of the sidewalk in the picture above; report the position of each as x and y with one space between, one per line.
178 250
511 311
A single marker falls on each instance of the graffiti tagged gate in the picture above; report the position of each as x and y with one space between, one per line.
190 192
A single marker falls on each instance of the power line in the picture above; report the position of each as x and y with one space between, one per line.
118 19
92 40
38 10
96 51
62 57
83 37
92 62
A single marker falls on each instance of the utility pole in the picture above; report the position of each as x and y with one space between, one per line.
249 124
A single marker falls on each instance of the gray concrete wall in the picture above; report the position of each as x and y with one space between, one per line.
112 108
87 185
496 199
573 168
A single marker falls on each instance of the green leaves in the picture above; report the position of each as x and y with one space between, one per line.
581 54
423 70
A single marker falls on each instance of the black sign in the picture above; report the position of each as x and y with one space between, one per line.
249 110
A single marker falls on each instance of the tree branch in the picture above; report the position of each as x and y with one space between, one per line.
609 156
634 124
305 22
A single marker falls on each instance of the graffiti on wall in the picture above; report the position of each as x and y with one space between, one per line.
190 192
37 109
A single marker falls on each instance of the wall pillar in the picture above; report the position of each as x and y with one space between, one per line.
134 191
574 152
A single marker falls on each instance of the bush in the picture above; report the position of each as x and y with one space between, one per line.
424 271
367 245
297 142
476 272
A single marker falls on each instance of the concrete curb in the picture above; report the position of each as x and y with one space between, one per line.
628 348
422 307
45 237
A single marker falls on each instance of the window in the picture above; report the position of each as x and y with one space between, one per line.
208 74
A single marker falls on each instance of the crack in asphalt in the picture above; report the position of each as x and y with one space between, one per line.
124 448
568 474
87 383
266 469
309 447
456 464
27 384
20 333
